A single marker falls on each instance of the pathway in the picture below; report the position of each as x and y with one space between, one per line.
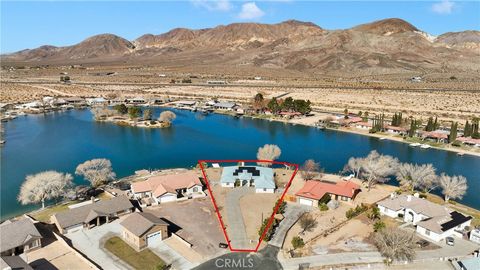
292 213
236 226
52 90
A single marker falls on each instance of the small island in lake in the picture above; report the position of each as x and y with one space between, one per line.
133 116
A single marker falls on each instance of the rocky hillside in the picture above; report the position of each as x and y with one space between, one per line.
390 45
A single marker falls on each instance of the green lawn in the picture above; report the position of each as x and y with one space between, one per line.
144 259
44 215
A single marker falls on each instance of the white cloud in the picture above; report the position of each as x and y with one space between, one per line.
218 5
250 11
443 7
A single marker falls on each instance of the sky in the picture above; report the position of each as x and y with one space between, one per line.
30 24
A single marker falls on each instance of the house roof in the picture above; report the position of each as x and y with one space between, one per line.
140 223
17 233
440 224
87 213
396 128
225 104
315 189
262 176
420 206
366 124
14 262
162 184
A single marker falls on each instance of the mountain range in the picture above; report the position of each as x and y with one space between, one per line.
390 45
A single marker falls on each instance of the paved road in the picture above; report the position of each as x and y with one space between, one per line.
170 256
265 259
292 214
235 224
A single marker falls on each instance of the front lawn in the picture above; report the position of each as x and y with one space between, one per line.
144 259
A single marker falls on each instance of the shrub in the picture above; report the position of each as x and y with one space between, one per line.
353 212
281 208
269 233
323 207
457 143
423 196
400 215
379 225
237 183
297 242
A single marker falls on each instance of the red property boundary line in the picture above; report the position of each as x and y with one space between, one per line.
270 221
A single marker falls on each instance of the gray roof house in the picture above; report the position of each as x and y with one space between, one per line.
224 105
17 237
92 214
13 263
261 178
143 229
432 220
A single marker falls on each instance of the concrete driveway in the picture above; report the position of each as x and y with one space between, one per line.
170 256
292 213
90 242
235 223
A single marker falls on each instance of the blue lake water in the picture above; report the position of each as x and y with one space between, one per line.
60 141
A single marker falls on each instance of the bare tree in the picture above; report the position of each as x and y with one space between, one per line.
453 187
44 186
167 117
311 169
354 166
268 152
395 244
376 168
307 223
96 171
415 176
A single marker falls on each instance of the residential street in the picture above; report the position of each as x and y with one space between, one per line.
235 223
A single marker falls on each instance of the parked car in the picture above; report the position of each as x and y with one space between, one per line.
450 241
422 243
222 245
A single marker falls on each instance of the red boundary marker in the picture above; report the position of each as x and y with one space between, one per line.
270 221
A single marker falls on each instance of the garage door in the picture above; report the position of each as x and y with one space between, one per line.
154 238
306 202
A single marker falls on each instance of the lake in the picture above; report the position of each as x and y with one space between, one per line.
60 141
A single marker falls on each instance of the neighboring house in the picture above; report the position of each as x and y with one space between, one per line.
168 188
186 103
228 106
141 230
90 215
18 237
437 136
396 130
432 220
475 235
363 125
352 119
96 101
13 263
469 141
261 178
136 100
467 264
314 190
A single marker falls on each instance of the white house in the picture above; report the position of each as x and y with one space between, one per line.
433 221
168 188
96 101
228 106
261 178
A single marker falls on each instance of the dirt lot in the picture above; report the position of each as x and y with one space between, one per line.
254 207
198 223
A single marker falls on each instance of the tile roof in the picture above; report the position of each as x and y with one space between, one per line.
17 233
87 213
315 189
162 184
140 223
